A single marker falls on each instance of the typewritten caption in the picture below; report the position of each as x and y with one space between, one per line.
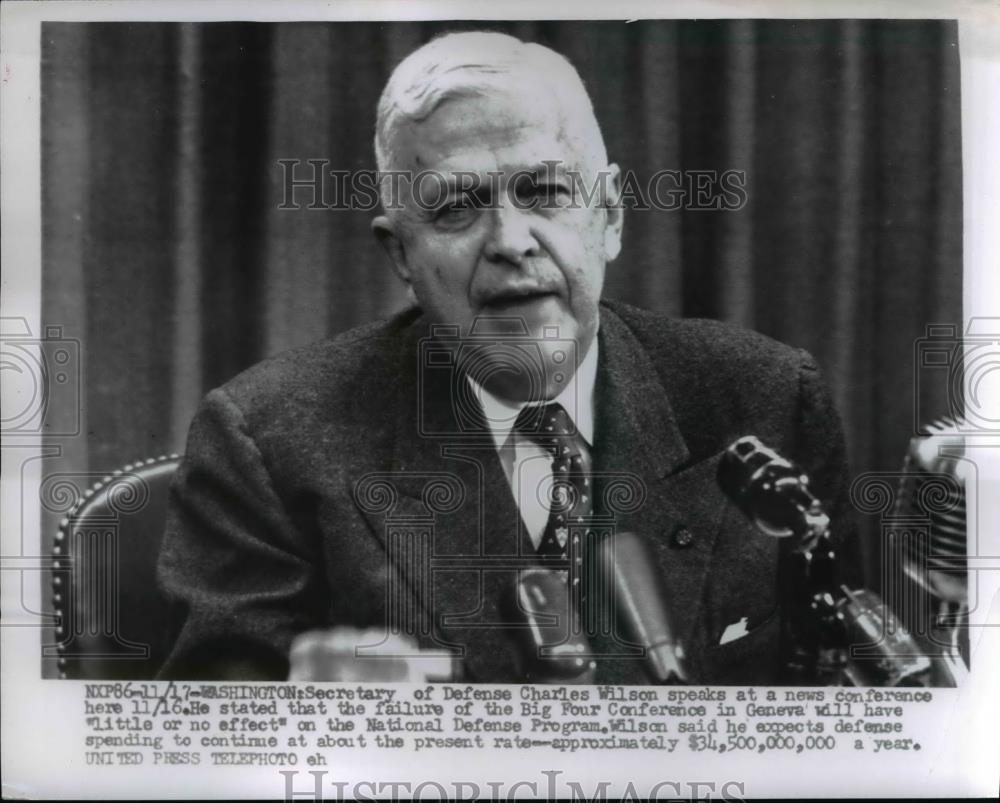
304 725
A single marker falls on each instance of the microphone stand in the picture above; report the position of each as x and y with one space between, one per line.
823 620
775 495
815 632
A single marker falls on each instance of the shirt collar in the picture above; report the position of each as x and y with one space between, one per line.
577 398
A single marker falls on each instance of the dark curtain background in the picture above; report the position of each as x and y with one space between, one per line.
165 253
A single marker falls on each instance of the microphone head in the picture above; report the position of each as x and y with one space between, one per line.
933 490
769 489
555 650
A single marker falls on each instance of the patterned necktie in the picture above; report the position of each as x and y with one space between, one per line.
571 499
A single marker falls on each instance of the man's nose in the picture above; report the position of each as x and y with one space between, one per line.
511 239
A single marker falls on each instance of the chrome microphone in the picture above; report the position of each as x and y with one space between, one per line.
627 569
892 657
556 650
933 488
932 495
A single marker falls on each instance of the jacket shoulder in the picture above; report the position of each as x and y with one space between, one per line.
705 345
723 381
338 373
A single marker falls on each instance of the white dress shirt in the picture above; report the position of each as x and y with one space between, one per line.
527 465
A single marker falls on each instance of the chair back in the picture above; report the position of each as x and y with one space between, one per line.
111 618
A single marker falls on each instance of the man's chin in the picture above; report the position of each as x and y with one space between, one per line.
523 368
523 387
524 352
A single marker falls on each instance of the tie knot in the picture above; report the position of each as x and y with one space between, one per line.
548 425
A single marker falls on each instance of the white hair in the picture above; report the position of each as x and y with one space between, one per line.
474 64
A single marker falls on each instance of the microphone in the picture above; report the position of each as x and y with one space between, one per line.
936 480
346 653
626 568
773 492
933 490
893 657
556 650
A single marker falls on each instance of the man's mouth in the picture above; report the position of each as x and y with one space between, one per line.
515 298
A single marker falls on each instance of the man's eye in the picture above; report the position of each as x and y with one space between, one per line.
547 194
455 213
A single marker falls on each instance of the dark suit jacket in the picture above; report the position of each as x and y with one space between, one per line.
311 481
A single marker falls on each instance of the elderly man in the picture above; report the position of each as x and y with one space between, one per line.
400 477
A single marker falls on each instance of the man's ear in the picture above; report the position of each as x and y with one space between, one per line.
386 233
615 213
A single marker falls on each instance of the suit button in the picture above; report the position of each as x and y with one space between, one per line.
683 537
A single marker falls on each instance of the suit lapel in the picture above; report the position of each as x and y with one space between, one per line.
638 435
447 476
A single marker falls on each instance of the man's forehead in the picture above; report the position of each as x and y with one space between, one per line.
484 134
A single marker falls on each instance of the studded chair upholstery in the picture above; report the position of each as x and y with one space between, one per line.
111 619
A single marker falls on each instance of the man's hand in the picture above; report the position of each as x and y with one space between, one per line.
349 654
